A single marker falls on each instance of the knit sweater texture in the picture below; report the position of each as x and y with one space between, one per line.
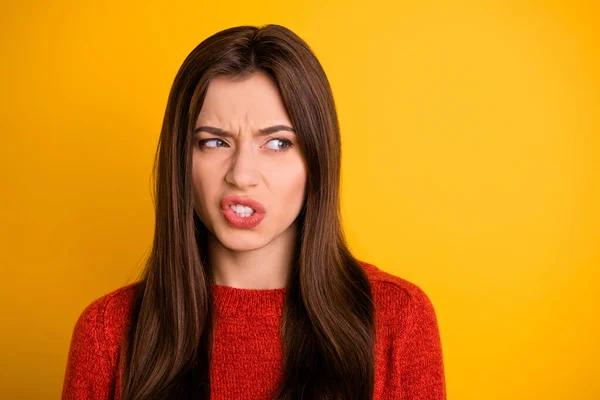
247 357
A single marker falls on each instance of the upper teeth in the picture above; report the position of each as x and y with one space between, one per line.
240 209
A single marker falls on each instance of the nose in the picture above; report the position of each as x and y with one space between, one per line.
244 172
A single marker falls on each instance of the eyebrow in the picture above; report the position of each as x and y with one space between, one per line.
263 131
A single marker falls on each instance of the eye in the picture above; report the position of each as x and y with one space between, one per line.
202 143
277 146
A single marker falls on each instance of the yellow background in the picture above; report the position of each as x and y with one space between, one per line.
470 167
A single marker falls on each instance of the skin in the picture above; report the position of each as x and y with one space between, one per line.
245 163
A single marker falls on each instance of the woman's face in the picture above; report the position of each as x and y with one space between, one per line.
242 161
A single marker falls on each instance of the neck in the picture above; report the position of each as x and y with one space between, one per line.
266 267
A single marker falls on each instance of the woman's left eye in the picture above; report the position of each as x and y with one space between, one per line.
277 147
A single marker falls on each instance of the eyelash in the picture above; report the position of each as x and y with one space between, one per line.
286 141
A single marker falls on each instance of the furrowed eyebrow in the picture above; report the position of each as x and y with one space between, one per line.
264 131
276 128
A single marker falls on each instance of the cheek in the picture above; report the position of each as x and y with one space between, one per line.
292 188
204 184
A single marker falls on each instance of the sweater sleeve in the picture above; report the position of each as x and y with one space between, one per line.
421 360
88 374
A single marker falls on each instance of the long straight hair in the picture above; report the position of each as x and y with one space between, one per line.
327 325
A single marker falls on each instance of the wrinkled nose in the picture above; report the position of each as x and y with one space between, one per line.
243 172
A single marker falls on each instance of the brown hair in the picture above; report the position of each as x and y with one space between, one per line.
328 329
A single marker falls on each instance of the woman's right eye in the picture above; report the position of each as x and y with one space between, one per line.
203 143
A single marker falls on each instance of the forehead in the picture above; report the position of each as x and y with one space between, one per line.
253 98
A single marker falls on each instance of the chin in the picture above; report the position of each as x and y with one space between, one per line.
242 240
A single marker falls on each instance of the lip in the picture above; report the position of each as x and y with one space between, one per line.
242 222
245 201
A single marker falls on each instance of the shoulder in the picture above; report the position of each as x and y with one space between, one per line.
110 309
91 370
105 320
411 331
397 300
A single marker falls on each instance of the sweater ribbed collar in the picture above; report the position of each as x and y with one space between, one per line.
238 302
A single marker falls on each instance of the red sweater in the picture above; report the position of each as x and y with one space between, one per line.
247 353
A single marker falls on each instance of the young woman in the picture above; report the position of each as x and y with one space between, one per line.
250 291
